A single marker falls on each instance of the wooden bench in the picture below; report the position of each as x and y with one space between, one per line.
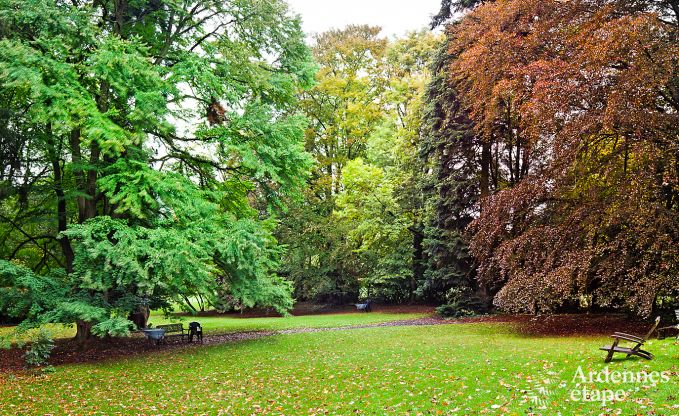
174 330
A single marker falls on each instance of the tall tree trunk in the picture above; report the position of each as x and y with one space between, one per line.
87 208
90 208
418 259
140 317
62 214
517 162
62 219
76 157
486 156
84 331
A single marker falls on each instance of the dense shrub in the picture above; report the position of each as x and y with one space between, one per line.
459 303
40 350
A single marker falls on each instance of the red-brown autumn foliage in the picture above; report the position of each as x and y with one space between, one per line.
579 102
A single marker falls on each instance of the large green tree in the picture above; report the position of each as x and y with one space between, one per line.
145 145
450 151
346 103
344 108
360 227
382 202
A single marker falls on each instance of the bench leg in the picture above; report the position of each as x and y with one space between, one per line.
639 352
609 357
645 354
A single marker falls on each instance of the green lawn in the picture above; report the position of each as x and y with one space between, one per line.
448 369
230 323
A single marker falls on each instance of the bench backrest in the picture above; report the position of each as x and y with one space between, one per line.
171 327
676 312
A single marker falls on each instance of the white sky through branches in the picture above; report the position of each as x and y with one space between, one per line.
396 17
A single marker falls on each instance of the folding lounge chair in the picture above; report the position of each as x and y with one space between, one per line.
636 342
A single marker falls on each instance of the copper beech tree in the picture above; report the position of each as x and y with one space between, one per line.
574 109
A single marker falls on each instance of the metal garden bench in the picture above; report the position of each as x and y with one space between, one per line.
366 306
174 331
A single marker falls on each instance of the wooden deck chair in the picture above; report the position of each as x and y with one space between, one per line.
635 349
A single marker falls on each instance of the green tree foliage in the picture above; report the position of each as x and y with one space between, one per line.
398 263
346 103
344 108
146 146
378 230
364 207
449 151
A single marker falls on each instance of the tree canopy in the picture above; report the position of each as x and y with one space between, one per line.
148 148
362 206
200 153
571 115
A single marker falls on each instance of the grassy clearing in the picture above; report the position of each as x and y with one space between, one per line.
229 323
449 369
221 324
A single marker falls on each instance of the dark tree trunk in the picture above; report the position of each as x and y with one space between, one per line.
486 156
140 317
62 214
62 224
90 206
188 303
84 331
76 157
418 259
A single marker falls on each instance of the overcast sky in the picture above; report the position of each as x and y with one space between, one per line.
396 17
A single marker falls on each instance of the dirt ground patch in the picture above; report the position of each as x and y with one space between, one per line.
567 324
